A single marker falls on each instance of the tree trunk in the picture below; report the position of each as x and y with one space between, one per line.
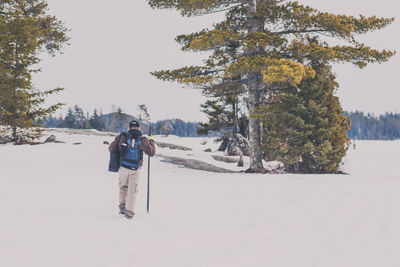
14 123
253 84
254 125
14 134
234 118
224 144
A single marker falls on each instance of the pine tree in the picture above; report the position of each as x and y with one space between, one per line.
26 30
276 41
143 113
369 127
144 118
95 121
305 127
80 119
222 116
69 120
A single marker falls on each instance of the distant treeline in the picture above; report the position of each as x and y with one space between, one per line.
118 121
363 126
369 127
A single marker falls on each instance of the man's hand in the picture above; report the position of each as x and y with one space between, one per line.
149 147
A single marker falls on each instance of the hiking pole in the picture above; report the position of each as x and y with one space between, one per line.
148 180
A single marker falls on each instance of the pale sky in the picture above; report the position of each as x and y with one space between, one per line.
115 44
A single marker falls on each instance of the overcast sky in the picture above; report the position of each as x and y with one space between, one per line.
115 44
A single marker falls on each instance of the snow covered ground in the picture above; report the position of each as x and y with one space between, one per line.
58 207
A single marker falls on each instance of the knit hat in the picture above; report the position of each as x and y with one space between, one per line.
134 123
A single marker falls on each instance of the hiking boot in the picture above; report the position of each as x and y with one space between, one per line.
128 216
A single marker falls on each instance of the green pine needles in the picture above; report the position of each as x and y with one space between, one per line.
304 126
26 30
276 55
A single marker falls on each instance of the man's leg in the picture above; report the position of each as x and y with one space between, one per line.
133 181
123 187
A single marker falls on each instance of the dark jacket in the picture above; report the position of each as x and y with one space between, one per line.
115 149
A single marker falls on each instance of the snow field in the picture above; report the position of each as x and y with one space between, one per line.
59 208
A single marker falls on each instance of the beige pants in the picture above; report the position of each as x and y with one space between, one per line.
128 189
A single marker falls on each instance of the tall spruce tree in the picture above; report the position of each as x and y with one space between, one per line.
276 41
26 30
305 127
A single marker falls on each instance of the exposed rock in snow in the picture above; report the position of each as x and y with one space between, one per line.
224 144
51 139
193 164
274 167
238 146
225 159
4 140
172 146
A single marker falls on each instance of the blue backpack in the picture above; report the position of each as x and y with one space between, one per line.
131 155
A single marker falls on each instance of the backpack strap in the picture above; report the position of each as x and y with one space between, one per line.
124 146
129 137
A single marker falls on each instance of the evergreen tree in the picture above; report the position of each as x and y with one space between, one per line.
96 122
69 120
304 126
275 40
143 113
144 118
116 121
369 127
222 116
53 122
26 29
164 127
80 119
120 120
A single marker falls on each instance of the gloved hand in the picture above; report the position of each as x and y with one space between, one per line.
150 138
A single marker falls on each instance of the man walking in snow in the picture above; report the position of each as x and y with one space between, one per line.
130 146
